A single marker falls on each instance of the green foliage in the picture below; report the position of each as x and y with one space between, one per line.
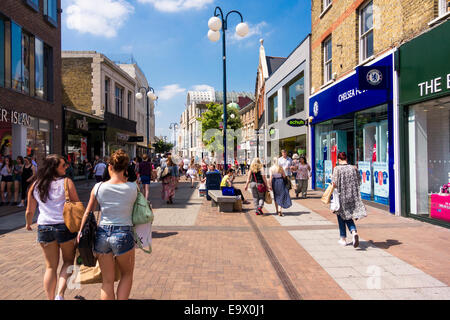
212 119
161 146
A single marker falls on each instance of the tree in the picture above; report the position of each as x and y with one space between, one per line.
212 119
161 146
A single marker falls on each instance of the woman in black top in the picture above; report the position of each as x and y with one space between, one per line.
255 177
28 174
18 168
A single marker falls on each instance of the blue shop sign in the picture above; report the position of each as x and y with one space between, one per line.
347 97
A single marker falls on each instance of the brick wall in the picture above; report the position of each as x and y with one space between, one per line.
34 23
395 21
77 83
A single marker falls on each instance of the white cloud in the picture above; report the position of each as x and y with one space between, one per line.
254 31
99 17
202 87
177 5
170 91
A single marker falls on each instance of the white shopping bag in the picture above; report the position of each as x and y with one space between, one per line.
334 204
143 236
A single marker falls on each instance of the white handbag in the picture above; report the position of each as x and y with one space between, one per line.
334 204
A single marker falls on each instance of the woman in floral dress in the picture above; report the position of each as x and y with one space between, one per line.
346 179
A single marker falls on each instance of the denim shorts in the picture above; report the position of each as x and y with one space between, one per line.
58 232
114 239
145 179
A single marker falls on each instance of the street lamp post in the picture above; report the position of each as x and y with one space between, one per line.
215 24
150 94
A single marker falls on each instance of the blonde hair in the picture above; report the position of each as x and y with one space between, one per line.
256 165
275 168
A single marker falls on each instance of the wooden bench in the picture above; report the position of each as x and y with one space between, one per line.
225 203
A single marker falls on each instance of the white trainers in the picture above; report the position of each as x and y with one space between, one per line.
20 205
342 242
59 298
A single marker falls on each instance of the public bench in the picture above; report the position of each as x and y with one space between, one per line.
225 203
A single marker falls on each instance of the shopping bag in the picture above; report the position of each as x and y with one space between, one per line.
326 197
91 275
268 198
143 237
334 204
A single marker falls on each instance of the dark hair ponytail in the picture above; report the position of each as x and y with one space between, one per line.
46 174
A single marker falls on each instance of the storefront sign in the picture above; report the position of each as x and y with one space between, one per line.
328 168
82 124
346 96
297 123
381 182
366 183
319 174
372 78
440 207
14 117
424 66
122 137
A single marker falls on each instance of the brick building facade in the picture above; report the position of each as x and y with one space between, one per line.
30 73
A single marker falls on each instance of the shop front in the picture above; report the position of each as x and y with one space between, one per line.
24 135
83 140
358 121
424 97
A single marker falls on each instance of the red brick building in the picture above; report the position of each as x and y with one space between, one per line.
30 78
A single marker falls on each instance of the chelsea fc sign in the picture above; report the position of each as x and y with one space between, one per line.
372 78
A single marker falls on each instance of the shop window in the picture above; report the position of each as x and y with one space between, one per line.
48 73
273 109
39 68
366 32
107 86
33 4
2 52
444 6
295 96
38 139
16 57
429 159
51 11
327 60
119 101
26 57
129 105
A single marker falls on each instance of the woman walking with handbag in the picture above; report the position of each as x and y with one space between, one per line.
258 185
48 194
302 174
278 181
169 181
346 179
114 240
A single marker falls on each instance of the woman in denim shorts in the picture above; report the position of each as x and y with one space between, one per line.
114 241
48 193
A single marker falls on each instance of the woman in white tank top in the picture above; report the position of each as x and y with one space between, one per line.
48 193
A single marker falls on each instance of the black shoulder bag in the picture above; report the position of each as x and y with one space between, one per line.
87 239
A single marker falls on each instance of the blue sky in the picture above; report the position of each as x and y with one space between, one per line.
168 39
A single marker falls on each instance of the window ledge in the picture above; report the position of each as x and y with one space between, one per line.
438 19
372 57
326 84
325 10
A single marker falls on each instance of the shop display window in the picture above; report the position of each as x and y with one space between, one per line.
38 139
429 159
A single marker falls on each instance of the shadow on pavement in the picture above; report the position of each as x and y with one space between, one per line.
385 245
159 235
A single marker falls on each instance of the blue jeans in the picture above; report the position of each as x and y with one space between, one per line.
350 225
54 232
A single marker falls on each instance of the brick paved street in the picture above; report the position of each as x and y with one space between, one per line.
200 254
